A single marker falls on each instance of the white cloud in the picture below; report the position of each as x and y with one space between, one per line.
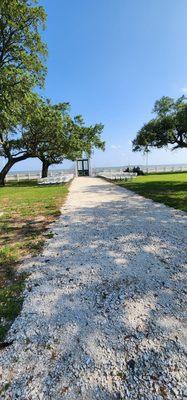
114 147
184 90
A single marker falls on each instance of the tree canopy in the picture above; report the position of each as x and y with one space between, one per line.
47 132
22 51
53 135
12 145
169 128
30 126
22 56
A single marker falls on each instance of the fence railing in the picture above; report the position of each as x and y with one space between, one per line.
20 176
33 176
151 169
167 168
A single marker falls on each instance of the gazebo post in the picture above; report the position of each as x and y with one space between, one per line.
90 167
76 171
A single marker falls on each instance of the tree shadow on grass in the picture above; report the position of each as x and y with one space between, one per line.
171 193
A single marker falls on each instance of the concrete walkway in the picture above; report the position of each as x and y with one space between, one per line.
103 316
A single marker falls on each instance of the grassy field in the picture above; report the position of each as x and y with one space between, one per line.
169 188
26 211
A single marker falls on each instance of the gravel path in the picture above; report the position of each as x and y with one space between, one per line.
103 316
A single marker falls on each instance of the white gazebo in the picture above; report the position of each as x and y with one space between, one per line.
83 167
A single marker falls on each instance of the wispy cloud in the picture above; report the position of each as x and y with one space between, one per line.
114 147
184 90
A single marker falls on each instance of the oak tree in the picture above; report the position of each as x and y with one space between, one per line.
22 57
168 128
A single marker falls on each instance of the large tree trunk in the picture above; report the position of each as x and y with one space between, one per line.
45 167
9 165
5 171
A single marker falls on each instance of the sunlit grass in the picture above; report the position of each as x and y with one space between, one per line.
169 188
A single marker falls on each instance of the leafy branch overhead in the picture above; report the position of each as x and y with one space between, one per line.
22 68
22 56
169 128
22 52
30 126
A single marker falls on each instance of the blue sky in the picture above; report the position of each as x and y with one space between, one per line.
111 59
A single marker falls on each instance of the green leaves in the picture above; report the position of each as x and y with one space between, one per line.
168 128
31 126
22 57
21 47
52 134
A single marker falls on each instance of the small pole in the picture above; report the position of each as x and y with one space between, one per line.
146 158
90 167
76 173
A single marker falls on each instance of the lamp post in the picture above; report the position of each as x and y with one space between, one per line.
146 159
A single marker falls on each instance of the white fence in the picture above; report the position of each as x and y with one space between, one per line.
164 168
22 177
96 171
34 176
151 169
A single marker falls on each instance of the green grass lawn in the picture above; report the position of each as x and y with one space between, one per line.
26 211
169 188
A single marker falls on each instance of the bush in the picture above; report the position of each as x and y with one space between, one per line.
136 170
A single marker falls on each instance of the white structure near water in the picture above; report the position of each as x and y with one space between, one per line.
53 173
83 167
